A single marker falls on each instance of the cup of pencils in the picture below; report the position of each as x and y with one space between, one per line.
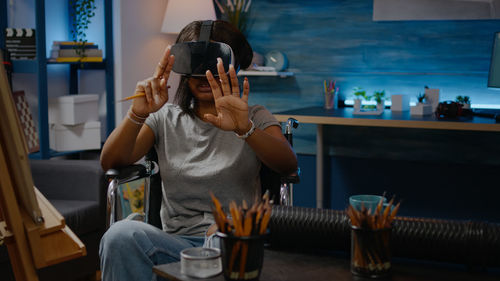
330 91
371 239
242 233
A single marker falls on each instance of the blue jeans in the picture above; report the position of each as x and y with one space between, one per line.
130 249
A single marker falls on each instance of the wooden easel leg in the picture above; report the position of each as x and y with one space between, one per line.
17 246
15 262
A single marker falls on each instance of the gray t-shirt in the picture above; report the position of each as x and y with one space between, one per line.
195 158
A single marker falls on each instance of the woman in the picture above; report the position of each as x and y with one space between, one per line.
212 141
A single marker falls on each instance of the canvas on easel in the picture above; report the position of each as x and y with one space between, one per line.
35 233
27 123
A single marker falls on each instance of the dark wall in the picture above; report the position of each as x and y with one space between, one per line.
327 39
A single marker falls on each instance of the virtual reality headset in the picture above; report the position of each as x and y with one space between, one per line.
195 58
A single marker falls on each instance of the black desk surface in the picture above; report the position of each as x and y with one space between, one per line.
280 266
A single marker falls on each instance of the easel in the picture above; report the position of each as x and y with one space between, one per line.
35 233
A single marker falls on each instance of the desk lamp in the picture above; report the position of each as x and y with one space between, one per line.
181 12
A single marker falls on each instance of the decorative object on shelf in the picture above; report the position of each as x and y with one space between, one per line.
370 109
422 107
257 60
379 97
432 97
400 103
236 12
20 43
81 11
359 94
180 13
27 123
74 109
331 94
464 101
74 122
276 59
82 136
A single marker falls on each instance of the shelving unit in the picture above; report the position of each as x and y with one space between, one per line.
39 66
281 74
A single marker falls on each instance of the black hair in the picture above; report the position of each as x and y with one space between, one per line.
224 32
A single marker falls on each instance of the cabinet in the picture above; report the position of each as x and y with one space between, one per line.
39 67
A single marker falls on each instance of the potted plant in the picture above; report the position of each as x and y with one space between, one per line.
464 101
422 107
237 12
358 94
81 12
379 97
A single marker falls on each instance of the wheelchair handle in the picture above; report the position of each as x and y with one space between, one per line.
291 123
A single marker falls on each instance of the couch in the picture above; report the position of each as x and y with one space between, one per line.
77 189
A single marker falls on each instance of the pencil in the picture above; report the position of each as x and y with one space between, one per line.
138 95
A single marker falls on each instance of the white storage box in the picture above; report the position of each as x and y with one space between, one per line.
75 137
74 109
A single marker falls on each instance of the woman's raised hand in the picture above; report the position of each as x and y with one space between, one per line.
155 87
232 108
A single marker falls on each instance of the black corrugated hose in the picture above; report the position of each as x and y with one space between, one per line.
471 243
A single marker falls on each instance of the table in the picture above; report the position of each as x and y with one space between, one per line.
345 117
280 266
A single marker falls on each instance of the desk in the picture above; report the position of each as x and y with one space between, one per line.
345 117
280 266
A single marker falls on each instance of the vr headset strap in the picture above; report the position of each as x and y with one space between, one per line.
205 31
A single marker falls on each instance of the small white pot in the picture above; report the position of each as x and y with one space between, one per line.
357 104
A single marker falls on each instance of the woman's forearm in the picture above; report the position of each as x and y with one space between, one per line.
120 147
273 150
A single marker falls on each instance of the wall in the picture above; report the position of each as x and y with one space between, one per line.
443 175
338 40
139 45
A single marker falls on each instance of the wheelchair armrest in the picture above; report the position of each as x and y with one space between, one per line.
128 173
291 178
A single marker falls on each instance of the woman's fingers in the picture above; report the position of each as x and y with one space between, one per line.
149 92
246 90
164 88
162 65
168 68
213 84
226 89
235 87
215 120
156 90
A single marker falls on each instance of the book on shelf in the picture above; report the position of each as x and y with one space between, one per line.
74 53
87 46
69 51
71 43
78 59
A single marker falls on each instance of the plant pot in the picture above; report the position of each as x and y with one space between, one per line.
380 106
421 109
357 104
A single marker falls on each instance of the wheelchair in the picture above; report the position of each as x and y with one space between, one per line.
135 191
